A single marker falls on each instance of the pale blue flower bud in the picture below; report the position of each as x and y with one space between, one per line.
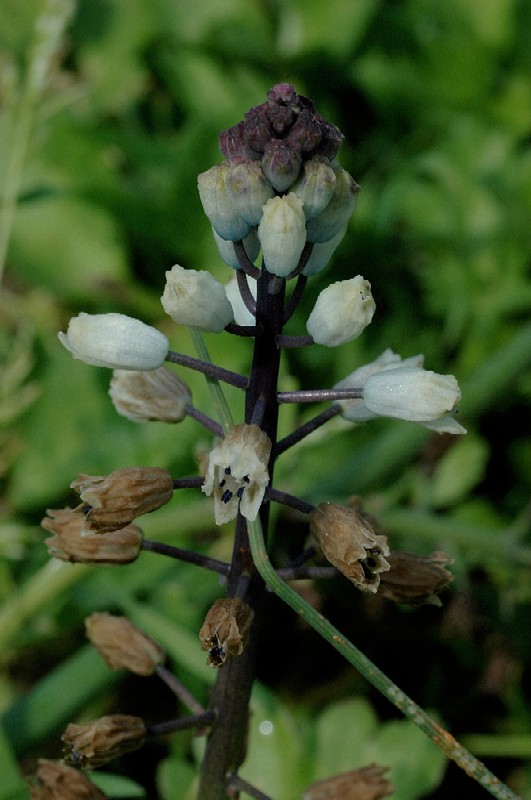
411 393
337 212
342 311
218 206
115 341
248 190
322 253
195 298
282 234
242 315
356 410
315 187
251 246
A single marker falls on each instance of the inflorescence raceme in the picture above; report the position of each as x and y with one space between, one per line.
279 192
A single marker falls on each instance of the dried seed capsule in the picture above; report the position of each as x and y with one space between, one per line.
225 630
123 645
113 501
57 781
367 783
70 543
416 580
350 544
156 395
96 743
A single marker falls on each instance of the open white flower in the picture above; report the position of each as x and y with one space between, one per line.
237 473
342 311
414 394
115 341
196 299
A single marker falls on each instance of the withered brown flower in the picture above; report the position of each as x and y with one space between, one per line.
57 781
416 580
123 645
349 542
157 394
91 745
111 502
70 543
225 629
367 783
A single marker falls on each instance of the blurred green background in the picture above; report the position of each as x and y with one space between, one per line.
102 134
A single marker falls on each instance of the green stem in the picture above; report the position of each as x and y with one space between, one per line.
370 672
218 398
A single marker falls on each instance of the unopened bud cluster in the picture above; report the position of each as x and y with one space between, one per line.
280 181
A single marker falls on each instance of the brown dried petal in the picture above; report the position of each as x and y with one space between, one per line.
70 543
112 502
57 781
416 580
94 744
349 542
225 629
366 783
122 645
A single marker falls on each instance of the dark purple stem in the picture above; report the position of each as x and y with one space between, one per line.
292 342
241 785
319 395
206 421
240 330
289 500
179 689
195 482
309 427
245 292
208 369
305 573
182 724
244 261
296 295
213 564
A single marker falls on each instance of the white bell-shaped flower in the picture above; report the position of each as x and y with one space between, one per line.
342 311
218 206
356 410
414 394
115 341
282 234
251 245
237 473
196 299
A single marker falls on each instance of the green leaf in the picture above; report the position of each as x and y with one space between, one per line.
117 786
67 245
460 469
12 786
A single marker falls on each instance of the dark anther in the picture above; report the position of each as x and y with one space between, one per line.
86 510
239 493
227 470
246 479
222 483
226 496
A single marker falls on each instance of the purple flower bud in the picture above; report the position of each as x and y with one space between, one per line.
281 164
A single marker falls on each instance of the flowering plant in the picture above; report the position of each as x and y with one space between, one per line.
280 187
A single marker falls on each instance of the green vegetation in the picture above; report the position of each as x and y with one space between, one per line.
102 135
